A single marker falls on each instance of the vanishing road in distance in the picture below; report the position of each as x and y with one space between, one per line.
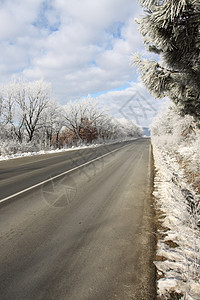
78 225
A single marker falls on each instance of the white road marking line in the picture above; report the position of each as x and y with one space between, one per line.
59 175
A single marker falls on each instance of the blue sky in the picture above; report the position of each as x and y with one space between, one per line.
81 46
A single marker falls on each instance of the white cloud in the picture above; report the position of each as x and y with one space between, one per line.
133 102
80 46
16 18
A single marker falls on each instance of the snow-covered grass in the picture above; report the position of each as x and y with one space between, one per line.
175 143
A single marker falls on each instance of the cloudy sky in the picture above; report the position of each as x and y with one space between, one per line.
81 46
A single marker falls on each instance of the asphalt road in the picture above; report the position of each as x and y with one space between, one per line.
19 174
85 235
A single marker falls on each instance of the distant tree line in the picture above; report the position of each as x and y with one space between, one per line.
29 118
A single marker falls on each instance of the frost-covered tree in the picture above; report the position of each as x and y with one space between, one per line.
1 105
52 122
171 28
32 98
23 104
130 128
12 116
82 115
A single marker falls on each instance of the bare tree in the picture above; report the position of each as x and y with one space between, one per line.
32 98
52 123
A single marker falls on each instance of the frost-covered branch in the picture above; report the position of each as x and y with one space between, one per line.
171 28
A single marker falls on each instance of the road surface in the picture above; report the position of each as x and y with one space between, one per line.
87 234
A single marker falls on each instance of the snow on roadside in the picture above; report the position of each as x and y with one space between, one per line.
178 248
41 152
73 148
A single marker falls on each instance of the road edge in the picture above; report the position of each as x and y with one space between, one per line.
148 278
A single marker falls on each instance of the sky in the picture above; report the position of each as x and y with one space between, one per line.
82 47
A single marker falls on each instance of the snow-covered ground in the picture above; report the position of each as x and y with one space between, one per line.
176 152
73 148
41 152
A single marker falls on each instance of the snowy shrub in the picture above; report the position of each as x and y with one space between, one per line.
176 145
13 147
178 248
179 136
